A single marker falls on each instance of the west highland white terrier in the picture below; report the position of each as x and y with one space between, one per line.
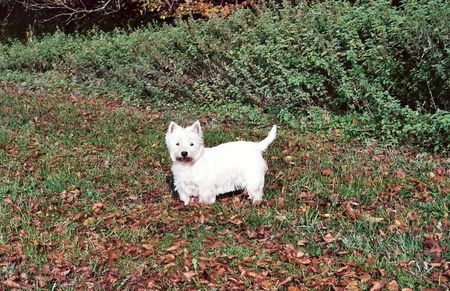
207 172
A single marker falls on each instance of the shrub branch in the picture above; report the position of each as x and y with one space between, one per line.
71 10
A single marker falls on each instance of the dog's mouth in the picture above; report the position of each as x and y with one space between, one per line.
184 159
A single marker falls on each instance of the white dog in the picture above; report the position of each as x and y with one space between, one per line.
207 172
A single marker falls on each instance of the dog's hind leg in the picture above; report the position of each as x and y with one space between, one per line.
184 197
255 190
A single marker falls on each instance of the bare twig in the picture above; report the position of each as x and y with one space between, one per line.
9 12
74 11
431 96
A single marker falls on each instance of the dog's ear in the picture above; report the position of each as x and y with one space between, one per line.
172 127
196 127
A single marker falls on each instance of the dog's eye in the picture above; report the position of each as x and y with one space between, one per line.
192 144
177 143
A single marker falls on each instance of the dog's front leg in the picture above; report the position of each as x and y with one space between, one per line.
184 196
206 196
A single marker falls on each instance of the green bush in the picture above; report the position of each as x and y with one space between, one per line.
387 64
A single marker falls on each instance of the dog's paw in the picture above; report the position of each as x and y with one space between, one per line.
256 201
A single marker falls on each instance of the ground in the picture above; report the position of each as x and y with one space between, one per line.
86 202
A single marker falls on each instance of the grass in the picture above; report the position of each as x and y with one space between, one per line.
86 201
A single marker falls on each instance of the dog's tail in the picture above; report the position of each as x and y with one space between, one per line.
264 144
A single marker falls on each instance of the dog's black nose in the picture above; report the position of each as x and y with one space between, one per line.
184 154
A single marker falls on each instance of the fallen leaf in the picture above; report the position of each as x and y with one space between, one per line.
189 275
365 278
11 284
168 258
172 248
41 281
169 266
302 242
329 238
285 281
392 286
378 285
327 172
288 158
266 284
97 207
352 286
353 214
400 173
112 255
147 253
133 197
202 219
370 218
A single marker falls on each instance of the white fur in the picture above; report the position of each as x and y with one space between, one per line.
208 172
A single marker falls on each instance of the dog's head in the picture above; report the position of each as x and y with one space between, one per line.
185 144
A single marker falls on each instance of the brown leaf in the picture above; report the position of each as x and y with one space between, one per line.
112 255
400 173
97 207
169 266
392 286
285 281
378 285
432 247
266 284
352 286
235 220
8 200
329 238
288 158
41 281
365 278
148 246
147 253
341 270
315 266
327 172
189 275
172 248
370 218
398 225
11 284
168 258
57 257
305 261
353 214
